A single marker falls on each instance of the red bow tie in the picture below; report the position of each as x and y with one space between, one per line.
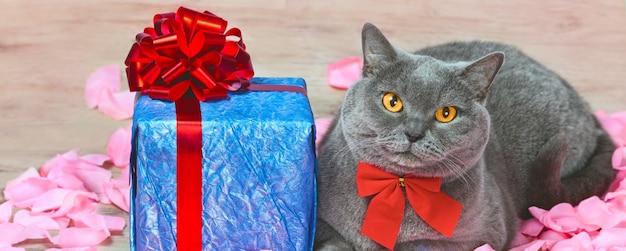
386 209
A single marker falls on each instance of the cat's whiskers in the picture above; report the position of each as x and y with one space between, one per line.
458 171
453 164
363 143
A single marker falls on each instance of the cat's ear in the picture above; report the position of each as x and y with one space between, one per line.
377 51
483 71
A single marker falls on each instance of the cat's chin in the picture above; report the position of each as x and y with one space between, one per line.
408 163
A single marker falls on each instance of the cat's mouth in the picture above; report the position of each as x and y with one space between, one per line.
406 159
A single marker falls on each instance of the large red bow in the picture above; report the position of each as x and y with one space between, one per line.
188 50
384 214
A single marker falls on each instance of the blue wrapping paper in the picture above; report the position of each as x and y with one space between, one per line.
259 170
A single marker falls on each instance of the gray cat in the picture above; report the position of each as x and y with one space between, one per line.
502 136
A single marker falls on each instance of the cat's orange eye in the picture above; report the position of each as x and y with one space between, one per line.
392 102
445 114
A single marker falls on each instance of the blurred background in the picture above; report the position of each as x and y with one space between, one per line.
49 48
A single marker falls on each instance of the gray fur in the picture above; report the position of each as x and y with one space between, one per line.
522 138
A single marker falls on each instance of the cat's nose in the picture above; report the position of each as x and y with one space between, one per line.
414 137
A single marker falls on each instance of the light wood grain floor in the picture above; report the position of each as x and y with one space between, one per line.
48 48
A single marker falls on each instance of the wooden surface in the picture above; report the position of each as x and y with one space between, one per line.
48 49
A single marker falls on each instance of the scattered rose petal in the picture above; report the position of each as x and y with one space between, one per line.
12 233
118 106
614 124
105 79
95 159
321 127
612 237
91 220
114 223
92 177
531 227
60 202
561 218
29 173
343 73
27 192
6 209
595 213
119 146
581 241
533 246
619 158
11 249
103 91
76 237
9 233
25 218
485 247
88 248
118 194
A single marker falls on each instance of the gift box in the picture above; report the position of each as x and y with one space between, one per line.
258 171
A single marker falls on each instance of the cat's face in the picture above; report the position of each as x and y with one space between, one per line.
416 114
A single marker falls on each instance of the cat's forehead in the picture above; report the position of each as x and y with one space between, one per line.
420 72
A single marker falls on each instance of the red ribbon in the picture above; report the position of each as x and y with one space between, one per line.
385 211
188 57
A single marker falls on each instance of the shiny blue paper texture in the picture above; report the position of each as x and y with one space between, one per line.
259 171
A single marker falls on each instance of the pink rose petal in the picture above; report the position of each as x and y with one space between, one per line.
118 194
89 248
79 237
27 192
485 247
619 158
614 124
6 209
119 146
59 202
51 200
60 160
561 218
91 220
581 241
103 91
551 235
533 246
77 201
60 170
531 227
114 223
9 234
92 177
95 159
12 233
25 218
607 238
321 126
63 221
11 249
99 222
29 173
343 73
105 79
118 106
595 213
